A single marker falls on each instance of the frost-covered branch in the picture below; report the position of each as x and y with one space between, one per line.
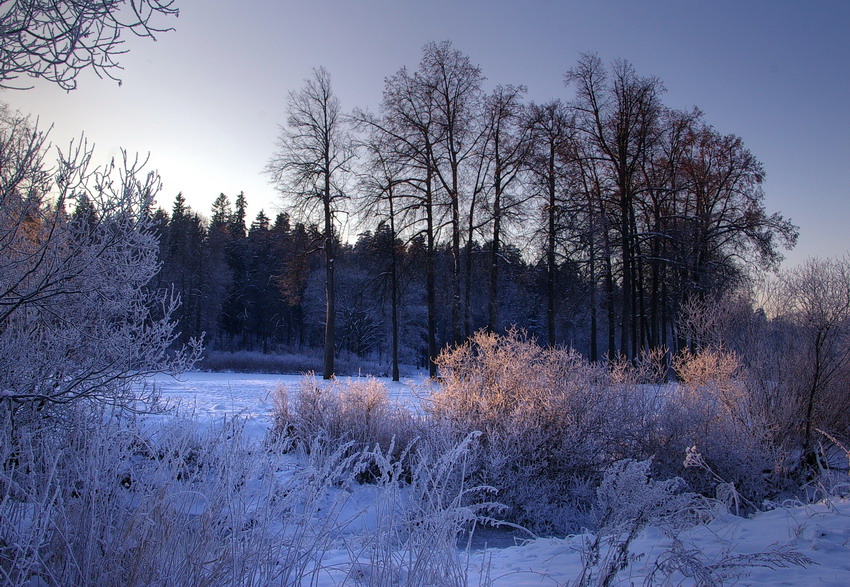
77 318
59 39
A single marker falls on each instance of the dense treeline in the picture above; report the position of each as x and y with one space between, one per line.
590 222
259 287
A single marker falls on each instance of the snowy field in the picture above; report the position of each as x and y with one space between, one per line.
213 396
731 548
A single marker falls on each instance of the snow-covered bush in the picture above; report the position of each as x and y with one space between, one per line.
550 423
710 408
77 319
813 302
358 411
792 335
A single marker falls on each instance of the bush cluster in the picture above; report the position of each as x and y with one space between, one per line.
356 412
550 424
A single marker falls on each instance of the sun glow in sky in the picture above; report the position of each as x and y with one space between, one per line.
206 99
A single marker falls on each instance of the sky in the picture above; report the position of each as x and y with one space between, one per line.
206 100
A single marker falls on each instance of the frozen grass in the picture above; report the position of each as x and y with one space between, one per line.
102 500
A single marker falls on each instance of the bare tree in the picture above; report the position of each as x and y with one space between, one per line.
814 299
724 218
408 124
617 112
551 125
310 167
56 40
506 150
77 318
454 85
382 184
659 213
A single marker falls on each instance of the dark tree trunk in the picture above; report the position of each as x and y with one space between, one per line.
330 291
609 301
393 290
467 310
457 334
550 249
493 305
594 342
625 247
430 286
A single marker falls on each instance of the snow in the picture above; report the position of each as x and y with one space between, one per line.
214 396
820 532
733 548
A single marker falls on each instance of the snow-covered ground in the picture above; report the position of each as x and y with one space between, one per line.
213 396
729 550
726 546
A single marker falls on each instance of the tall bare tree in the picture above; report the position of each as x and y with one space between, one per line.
454 85
310 167
383 183
506 149
660 212
618 113
551 125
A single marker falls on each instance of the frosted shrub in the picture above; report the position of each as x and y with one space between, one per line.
550 423
79 321
357 411
712 374
627 501
712 409
793 335
650 367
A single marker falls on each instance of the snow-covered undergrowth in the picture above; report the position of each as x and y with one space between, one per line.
553 423
171 501
275 480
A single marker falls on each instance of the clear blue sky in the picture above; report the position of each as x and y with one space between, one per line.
206 99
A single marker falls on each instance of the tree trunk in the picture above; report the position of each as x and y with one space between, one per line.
809 457
457 335
550 250
609 301
429 276
625 246
393 290
467 301
330 291
493 305
594 342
